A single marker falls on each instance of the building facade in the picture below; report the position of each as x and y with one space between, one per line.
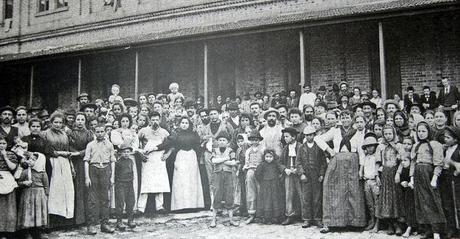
51 50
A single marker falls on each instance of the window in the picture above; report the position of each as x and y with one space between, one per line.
43 5
8 9
61 3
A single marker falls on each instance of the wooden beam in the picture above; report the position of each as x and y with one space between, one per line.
79 77
136 77
302 60
383 80
31 90
205 74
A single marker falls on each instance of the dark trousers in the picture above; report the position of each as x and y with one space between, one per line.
124 194
98 197
312 199
445 188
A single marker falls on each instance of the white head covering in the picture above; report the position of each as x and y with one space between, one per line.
40 163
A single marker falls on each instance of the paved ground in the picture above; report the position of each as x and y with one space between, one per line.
195 225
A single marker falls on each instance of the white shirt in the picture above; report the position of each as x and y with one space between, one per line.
292 152
307 99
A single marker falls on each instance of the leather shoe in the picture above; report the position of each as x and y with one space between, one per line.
287 221
106 228
131 224
306 224
91 230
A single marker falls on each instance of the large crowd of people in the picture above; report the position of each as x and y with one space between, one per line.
335 158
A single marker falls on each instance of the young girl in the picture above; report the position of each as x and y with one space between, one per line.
33 203
407 213
270 202
224 161
8 164
428 157
387 204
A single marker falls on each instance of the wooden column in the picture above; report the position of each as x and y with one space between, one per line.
302 60
31 91
79 77
383 79
136 77
205 75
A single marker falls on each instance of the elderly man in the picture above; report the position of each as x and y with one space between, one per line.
272 132
6 129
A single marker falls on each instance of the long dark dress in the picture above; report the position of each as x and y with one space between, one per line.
78 139
270 201
8 204
407 212
61 195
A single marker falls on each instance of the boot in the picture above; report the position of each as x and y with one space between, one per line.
391 229
398 229
120 225
370 224
131 223
288 221
105 227
250 219
91 230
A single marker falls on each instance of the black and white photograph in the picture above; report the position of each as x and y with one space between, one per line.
290 119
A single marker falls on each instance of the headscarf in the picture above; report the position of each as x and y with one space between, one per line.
40 162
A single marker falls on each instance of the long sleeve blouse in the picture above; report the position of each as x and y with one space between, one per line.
55 140
181 140
424 155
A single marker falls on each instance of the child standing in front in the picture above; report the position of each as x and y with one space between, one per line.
253 156
387 205
99 176
368 171
407 213
270 202
311 166
223 158
33 203
124 190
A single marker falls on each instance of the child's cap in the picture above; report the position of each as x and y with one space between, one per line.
255 134
290 130
309 130
124 147
223 134
370 139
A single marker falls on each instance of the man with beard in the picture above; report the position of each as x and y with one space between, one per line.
308 114
83 98
295 116
190 108
154 174
272 132
21 118
6 129
209 142
234 119
283 120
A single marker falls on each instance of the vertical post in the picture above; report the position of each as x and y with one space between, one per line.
79 77
136 76
31 91
383 80
205 75
302 60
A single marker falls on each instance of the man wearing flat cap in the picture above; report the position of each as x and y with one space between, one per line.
89 110
410 98
6 129
272 132
234 111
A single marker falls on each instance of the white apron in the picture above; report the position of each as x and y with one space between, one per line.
154 174
61 195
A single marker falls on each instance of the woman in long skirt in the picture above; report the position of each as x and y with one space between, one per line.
79 137
187 191
8 163
428 158
61 195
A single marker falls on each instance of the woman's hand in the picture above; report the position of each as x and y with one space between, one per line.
88 182
397 178
434 182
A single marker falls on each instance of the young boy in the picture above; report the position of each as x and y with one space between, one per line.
240 189
124 191
253 158
291 179
368 171
311 166
99 176
223 159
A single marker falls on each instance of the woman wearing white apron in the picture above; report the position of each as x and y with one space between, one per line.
154 176
187 191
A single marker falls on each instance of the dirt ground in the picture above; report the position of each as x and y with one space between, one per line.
196 225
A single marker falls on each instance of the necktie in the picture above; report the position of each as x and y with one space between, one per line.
447 90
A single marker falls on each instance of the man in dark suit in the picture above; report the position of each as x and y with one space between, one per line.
428 99
410 98
448 98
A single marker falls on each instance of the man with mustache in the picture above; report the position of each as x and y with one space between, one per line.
272 132
6 129
283 120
